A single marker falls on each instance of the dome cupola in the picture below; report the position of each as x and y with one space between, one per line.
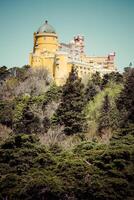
46 28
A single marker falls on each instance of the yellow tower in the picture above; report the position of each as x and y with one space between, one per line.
45 46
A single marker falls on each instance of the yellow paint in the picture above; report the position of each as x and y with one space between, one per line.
46 53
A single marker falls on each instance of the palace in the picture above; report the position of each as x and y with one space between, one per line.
58 58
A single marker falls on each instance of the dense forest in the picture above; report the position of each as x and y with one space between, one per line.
73 142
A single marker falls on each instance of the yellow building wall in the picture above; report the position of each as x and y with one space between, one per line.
61 69
48 63
45 46
46 42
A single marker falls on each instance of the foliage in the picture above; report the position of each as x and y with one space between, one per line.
113 166
4 73
91 171
93 108
125 102
115 77
6 112
30 112
32 171
86 168
70 111
96 79
24 80
4 132
20 104
104 119
91 91
53 94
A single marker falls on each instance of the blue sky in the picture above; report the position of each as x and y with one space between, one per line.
107 25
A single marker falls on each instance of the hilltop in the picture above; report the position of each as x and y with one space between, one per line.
66 142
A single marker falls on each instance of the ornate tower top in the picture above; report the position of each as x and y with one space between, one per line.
46 28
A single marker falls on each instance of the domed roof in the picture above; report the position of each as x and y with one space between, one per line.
46 28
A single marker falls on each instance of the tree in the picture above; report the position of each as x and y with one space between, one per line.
31 123
115 77
105 80
6 112
91 91
21 73
130 64
104 119
93 86
4 73
125 102
70 111
25 118
35 81
96 79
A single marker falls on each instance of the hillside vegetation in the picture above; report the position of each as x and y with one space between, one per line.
74 142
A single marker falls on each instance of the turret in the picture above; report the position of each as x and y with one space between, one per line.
45 39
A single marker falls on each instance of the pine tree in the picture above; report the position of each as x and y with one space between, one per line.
93 86
130 64
70 111
114 77
91 91
26 121
96 79
125 102
104 119
105 81
31 123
